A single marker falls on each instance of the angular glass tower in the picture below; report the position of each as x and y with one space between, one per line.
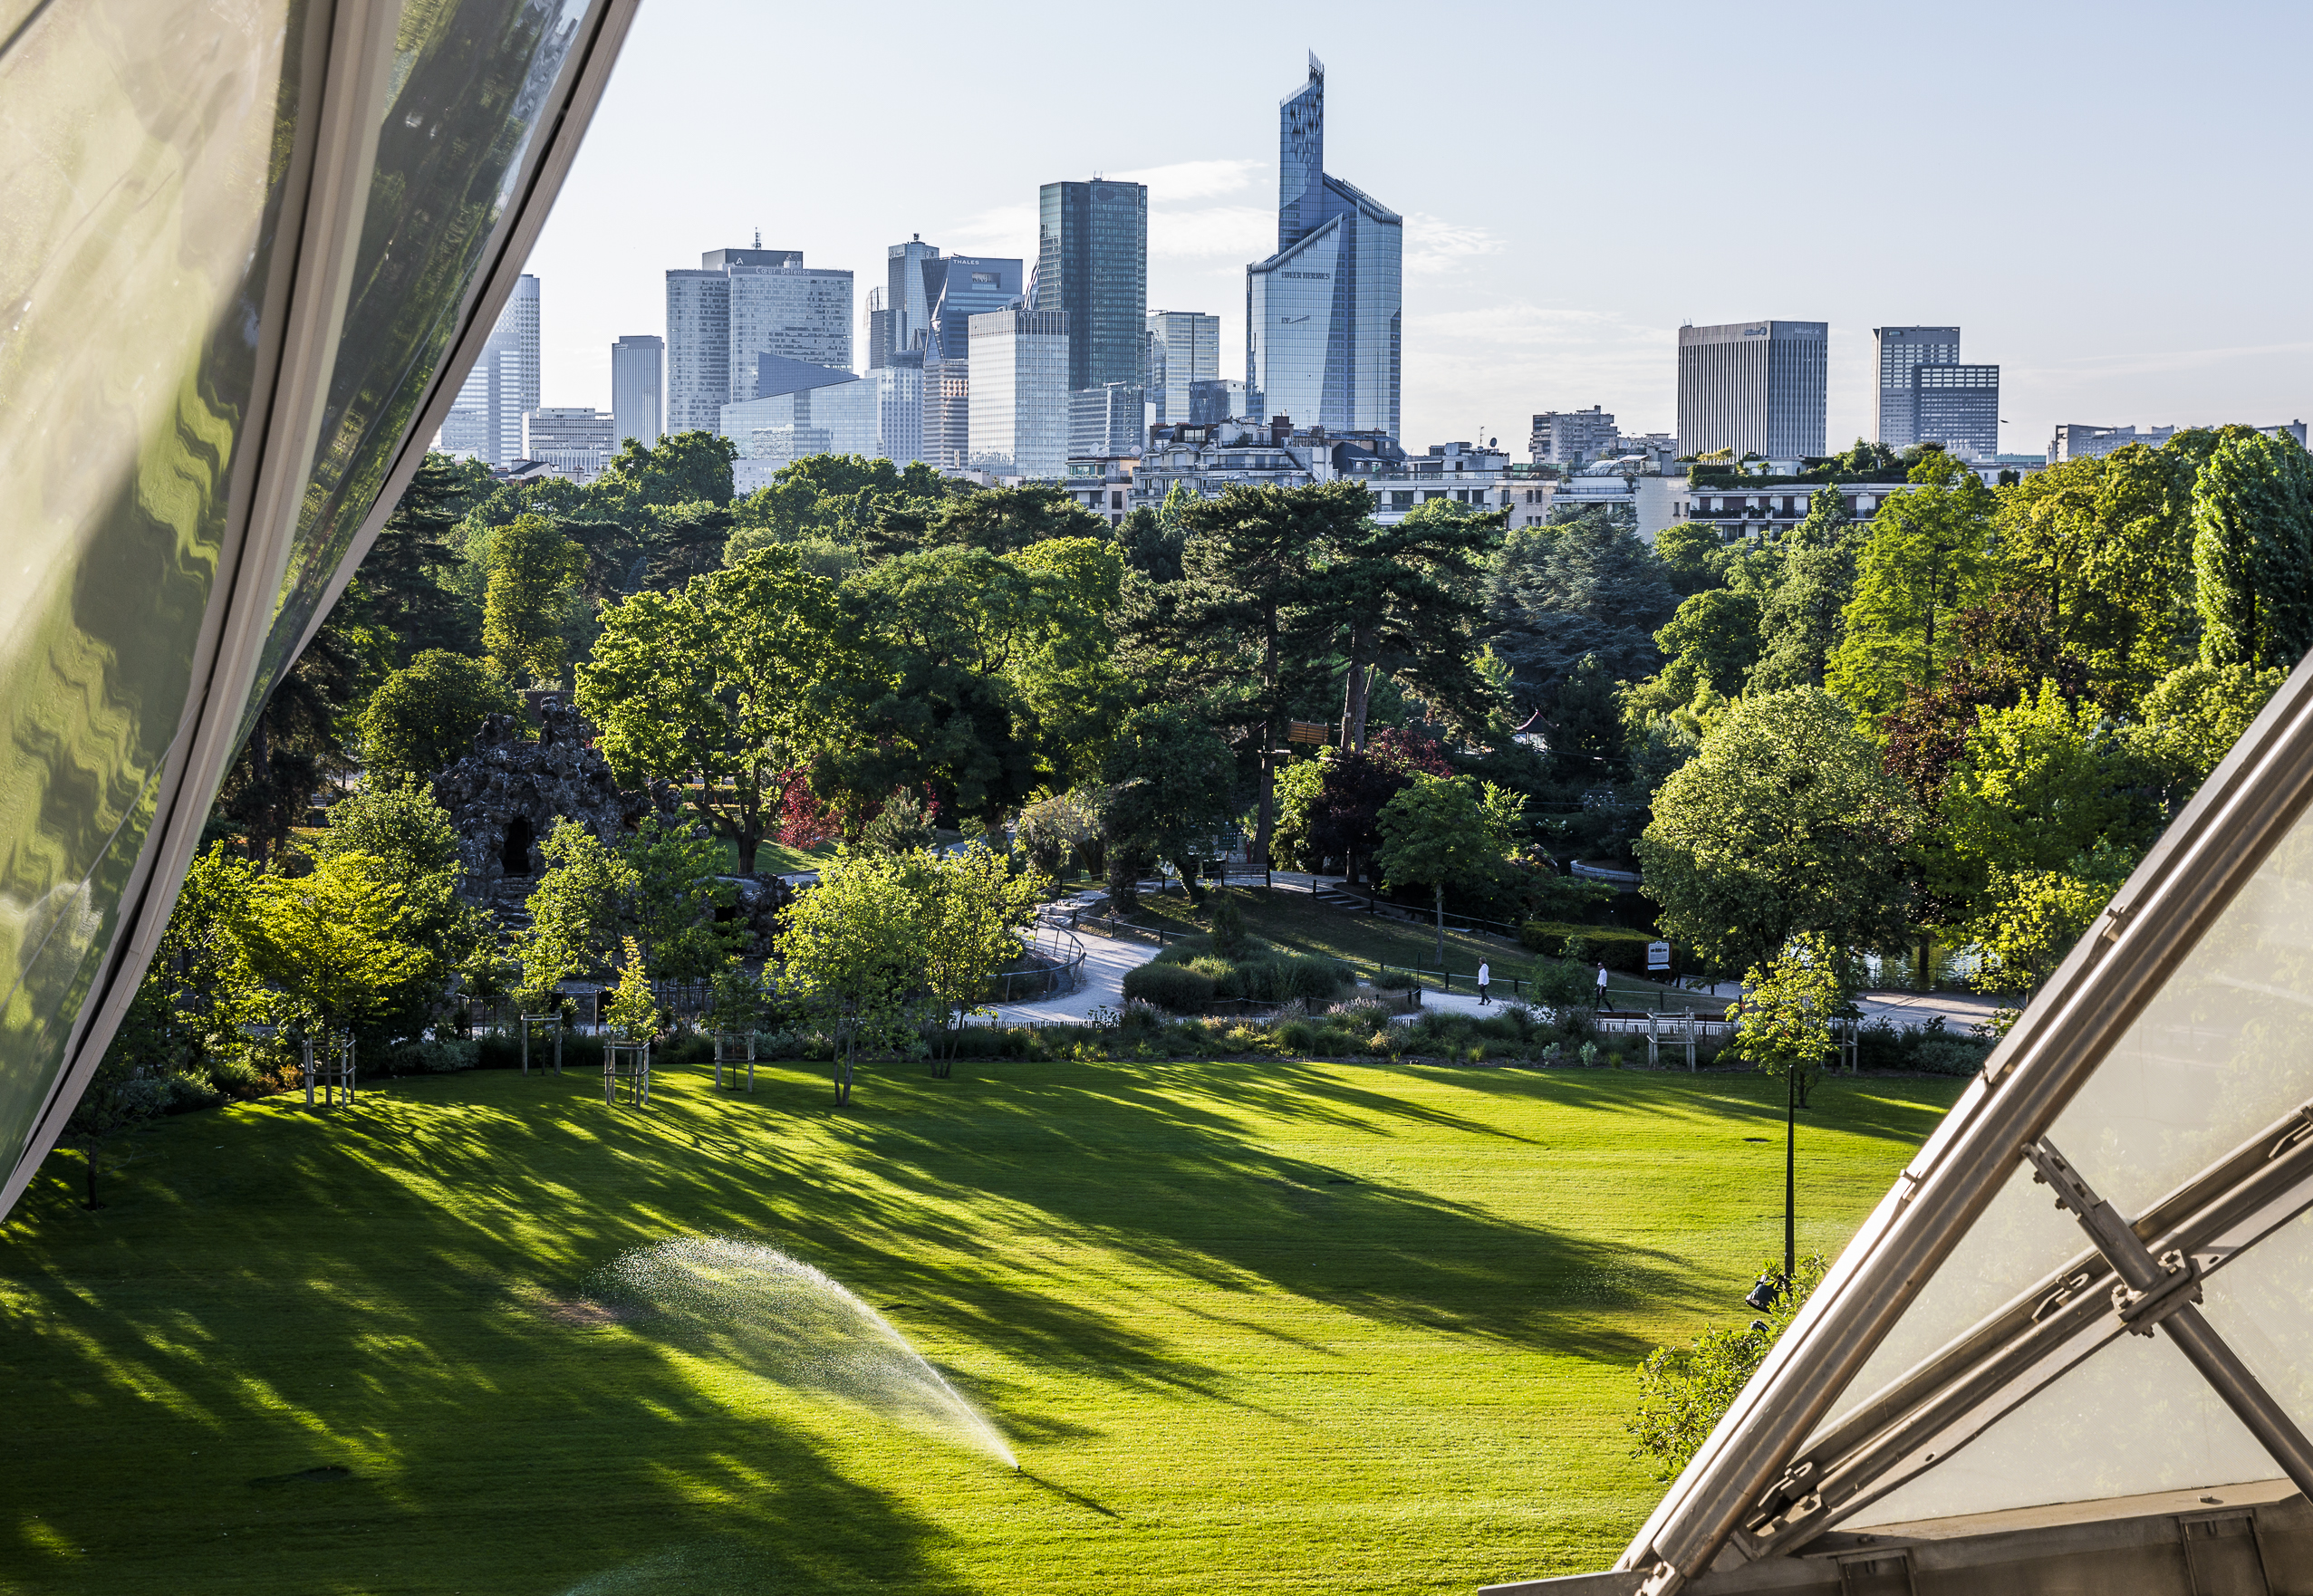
2072 1350
1323 315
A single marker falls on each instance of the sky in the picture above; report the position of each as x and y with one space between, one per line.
2107 200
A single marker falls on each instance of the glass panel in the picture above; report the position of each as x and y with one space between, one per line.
2136 1418
469 81
2262 1304
2223 1050
138 150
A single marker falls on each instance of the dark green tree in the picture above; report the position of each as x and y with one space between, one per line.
423 718
2252 551
1584 585
1784 822
1169 781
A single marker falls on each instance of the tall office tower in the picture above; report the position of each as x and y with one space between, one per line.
1566 438
698 349
875 326
1184 347
1896 351
969 285
638 389
1322 314
1019 402
1110 419
798 313
1752 386
709 363
485 418
914 274
899 409
1092 267
1958 407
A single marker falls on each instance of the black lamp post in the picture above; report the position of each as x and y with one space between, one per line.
1765 1291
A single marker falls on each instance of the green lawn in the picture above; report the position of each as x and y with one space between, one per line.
1252 1327
1303 924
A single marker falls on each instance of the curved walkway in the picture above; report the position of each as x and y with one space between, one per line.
1100 981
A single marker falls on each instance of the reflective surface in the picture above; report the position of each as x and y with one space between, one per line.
141 175
148 151
469 81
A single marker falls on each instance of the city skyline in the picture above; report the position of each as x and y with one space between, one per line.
1509 311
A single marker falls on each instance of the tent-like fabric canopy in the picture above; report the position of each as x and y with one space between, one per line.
2072 1348
252 248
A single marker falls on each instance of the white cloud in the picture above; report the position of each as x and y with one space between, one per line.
1241 232
1435 244
1006 231
1194 180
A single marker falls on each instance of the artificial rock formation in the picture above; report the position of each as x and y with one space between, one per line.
504 797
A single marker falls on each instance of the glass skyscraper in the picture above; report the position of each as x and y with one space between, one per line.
485 419
1093 265
1019 404
1322 316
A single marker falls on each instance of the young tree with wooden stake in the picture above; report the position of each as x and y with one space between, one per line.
852 947
973 909
1784 1027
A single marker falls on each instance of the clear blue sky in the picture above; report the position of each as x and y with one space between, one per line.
2109 201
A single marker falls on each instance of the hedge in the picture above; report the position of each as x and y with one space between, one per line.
1169 985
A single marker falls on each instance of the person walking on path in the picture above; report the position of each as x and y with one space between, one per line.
1485 980
1602 985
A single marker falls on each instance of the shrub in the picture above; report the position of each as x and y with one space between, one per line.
1397 981
1295 1035
689 1049
432 1058
1168 985
1881 1046
1684 1391
1140 1018
1228 935
1360 1013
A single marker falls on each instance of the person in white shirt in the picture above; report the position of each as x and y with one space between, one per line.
1602 985
1485 980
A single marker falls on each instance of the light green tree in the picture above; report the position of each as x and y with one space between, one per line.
1783 821
2028 920
971 908
1784 1022
423 716
1800 613
337 945
1441 831
575 913
534 571
717 687
2034 785
852 948
674 887
2192 718
633 1011
1685 1391
1929 553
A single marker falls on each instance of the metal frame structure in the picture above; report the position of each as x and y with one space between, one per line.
554 1025
729 1051
627 1061
345 73
1760 1490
